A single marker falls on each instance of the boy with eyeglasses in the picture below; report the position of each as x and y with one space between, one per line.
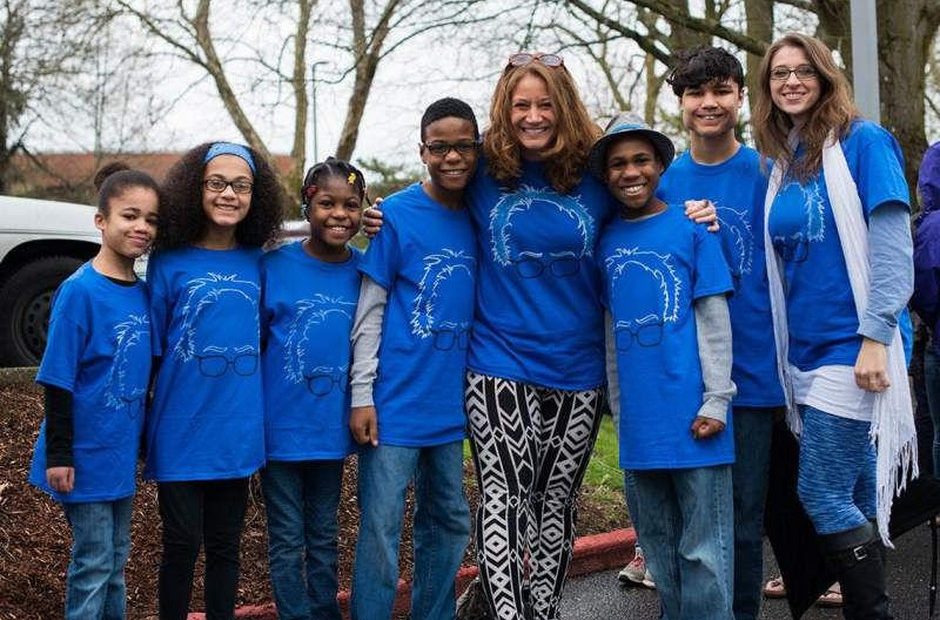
409 358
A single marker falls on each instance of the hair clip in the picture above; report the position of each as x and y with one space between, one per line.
351 179
309 191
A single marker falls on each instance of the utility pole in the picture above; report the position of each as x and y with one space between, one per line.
314 157
865 58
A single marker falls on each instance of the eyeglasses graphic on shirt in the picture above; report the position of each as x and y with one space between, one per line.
450 336
216 364
793 250
321 383
647 332
532 265
132 406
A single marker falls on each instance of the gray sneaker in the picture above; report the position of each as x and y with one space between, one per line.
636 571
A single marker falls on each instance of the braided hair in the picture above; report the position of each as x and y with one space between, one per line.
331 168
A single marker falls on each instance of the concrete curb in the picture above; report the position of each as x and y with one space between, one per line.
591 554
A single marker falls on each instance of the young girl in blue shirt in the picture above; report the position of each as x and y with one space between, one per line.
205 429
309 291
95 372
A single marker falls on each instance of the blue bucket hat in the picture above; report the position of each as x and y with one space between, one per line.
625 124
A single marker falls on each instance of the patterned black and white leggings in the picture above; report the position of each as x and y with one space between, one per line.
531 446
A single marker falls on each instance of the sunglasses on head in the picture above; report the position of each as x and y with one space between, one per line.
522 59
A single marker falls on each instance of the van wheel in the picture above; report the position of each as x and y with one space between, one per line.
25 302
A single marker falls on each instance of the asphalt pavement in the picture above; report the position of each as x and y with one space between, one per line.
601 597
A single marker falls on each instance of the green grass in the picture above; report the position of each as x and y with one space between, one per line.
604 469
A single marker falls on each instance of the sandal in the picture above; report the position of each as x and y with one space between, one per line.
775 588
832 597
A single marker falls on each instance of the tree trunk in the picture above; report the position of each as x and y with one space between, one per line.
905 31
760 26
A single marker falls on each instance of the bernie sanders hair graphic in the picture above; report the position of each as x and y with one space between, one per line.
202 294
659 267
512 204
125 383
438 268
302 345
737 236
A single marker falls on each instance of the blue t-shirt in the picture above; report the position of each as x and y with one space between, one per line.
207 417
307 312
99 350
821 312
738 187
654 270
538 314
426 259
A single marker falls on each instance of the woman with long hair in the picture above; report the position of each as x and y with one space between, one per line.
837 215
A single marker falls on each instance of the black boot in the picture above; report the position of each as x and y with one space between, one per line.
858 557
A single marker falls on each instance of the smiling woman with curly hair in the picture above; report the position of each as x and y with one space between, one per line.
205 428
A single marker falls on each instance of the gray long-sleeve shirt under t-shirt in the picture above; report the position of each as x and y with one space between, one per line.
366 338
713 332
890 254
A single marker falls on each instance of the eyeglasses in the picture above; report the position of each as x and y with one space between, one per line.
441 149
218 185
244 364
802 73
649 334
521 59
562 265
322 383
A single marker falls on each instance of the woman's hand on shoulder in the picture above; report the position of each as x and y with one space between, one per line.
61 479
871 366
702 212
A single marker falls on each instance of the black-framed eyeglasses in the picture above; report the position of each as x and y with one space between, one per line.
322 383
793 250
244 364
218 185
441 149
521 59
446 338
802 73
562 265
649 334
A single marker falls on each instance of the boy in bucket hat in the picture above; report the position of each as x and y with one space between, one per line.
669 340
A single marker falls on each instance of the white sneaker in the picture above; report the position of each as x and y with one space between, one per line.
636 571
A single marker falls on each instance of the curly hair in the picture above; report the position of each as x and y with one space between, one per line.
183 220
566 158
834 110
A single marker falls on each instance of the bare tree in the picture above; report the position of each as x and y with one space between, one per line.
906 29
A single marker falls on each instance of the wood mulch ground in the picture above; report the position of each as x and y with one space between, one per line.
34 537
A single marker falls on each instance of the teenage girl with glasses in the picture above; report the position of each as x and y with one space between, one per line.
309 294
95 372
205 432
838 188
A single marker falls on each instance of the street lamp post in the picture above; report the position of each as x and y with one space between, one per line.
313 111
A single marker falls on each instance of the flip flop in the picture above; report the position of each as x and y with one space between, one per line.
832 597
775 588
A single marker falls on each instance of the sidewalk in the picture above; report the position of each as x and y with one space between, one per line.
592 554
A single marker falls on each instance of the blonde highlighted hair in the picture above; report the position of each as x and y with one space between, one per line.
833 111
566 158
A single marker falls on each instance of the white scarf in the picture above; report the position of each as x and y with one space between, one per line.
892 424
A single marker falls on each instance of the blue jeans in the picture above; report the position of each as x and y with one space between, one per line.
101 542
836 479
686 526
301 499
441 529
752 432
932 383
